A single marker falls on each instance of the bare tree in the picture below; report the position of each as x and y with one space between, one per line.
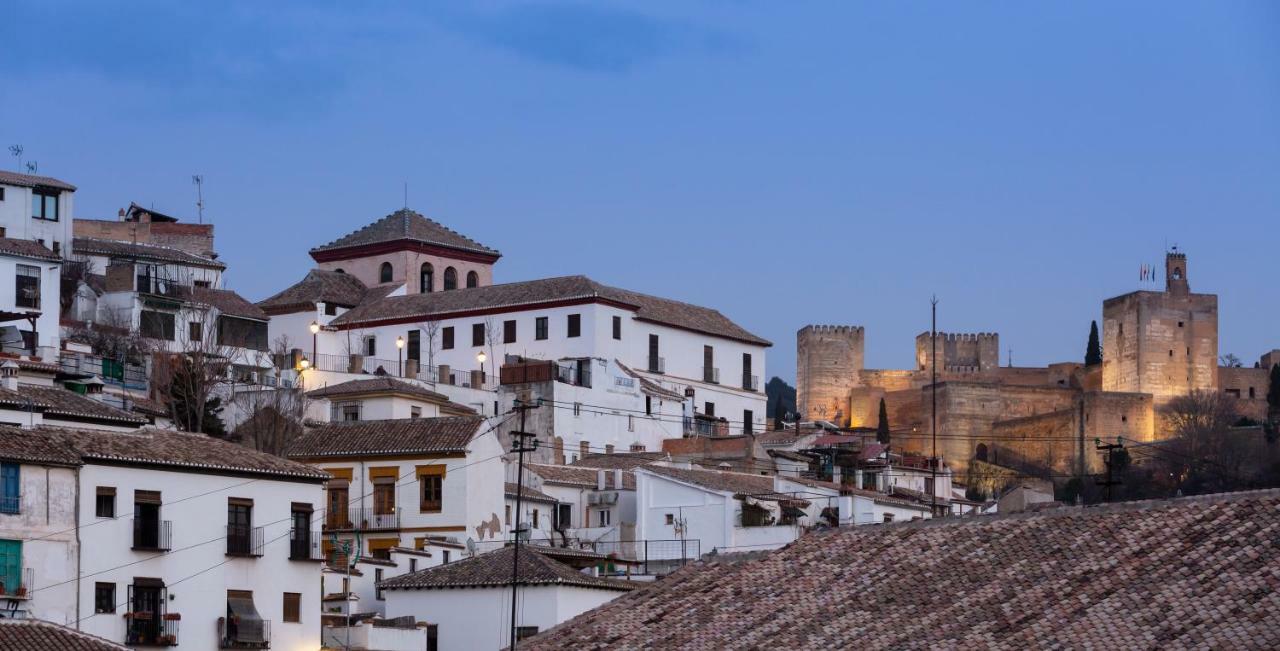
491 338
276 417
191 378
430 329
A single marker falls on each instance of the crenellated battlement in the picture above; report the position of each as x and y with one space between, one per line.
962 336
960 350
828 359
830 329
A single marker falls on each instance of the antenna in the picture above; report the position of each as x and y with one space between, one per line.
198 180
406 195
16 150
31 167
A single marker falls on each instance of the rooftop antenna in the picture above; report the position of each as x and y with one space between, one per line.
16 150
198 180
406 195
32 166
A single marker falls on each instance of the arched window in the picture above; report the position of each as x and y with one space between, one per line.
384 274
981 453
1177 273
340 270
473 279
427 278
450 278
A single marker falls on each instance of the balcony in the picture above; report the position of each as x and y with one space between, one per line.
238 634
130 376
25 586
162 286
305 545
711 375
152 535
244 541
657 364
750 382
11 504
144 629
362 519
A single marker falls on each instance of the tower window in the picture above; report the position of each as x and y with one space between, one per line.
384 273
473 279
1179 324
450 278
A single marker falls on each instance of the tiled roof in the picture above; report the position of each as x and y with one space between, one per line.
398 436
527 493
575 476
154 252
1196 572
376 385
406 224
33 181
18 445
57 401
532 292
739 483
623 460
493 570
38 367
154 447
39 635
27 249
229 303
319 286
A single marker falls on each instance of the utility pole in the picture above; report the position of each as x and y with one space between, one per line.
933 395
1108 482
520 437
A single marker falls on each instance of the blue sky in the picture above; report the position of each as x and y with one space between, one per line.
787 164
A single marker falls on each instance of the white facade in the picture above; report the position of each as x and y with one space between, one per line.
16 216
41 529
18 221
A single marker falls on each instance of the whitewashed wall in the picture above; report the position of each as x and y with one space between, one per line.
47 511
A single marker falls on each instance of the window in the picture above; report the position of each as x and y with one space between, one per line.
928 485
631 423
888 517
540 328
473 279
384 497
506 516
509 332
1179 324
564 516
44 205
300 542
146 520
11 497
446 338
384 273
346 412
195 331
577 409
105 507
432 493
330 309
371 346
104 597
575 325
617 327
671 518
450 278
413 565
433 637
603 518
1 194
477 334
655 361
377 585
27 287
444 556
156 325
710 409
535 518
1252 395
708 365
747 425
648 405
426 278
415 412
240 526
293 607
524 632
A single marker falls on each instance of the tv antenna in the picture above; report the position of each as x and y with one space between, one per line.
16 150
198 180
31 167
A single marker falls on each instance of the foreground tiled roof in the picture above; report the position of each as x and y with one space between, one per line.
376 385
408 225
229 303
398 436
152 447
27 249
623 460
33 181
39 635
532 292
527 493
59 402
493 570
583 477
1164 574
319 286
155 252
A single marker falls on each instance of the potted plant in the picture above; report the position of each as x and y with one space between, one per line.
172 617
169 639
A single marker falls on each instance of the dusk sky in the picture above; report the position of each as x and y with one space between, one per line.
785 163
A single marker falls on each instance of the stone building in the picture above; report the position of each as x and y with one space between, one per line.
828 360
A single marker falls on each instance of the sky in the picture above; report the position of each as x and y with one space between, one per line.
787 164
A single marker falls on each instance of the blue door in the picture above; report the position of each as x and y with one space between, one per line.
9 497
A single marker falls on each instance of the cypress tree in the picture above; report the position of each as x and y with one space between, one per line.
1093 354
882 428
1273 394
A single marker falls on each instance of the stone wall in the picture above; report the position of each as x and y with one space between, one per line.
963 352
196 239
1249 386
828 359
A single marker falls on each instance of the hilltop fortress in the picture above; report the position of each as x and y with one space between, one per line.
1157 345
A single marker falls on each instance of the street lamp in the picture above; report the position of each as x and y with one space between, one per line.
304 364
480 358
400 353
315 330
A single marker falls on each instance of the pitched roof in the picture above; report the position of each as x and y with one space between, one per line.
376 385
153 252
39 635
407 225
57 401
739 483
153 447
27 249
33 181
398 436
1181 573
584 477
528 493
532 292
493 570
229 303
318 286
623 460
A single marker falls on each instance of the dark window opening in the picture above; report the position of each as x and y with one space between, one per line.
477 334
195 331
450 278
105 506
540 328
242 333
575 325
432 493
426 278
446 338
156 325
414 350
104 597
385 273
293 607
617 327
44 205
509 332
473 279
27 287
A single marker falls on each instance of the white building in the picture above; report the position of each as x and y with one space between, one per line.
35 230
468 601
154 567
379 398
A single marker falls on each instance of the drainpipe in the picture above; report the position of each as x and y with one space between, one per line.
76 471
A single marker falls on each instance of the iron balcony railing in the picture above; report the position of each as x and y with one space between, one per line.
11 504
126 374
152 535
148 622
305 545
362 519
22 588
750 382
244 541
711 374
657 364
234 634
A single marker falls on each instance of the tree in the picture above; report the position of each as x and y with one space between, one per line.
275 414
1093 353
191 379
779 414
781 396
882 427
1230 361
1273 395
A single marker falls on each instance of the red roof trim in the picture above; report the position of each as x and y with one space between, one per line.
395 246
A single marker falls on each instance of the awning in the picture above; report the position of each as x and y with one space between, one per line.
244 624
793 511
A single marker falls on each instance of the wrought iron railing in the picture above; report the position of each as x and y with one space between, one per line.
133 376
152 535
233 634
11 504
711 374
23 588
362 519
750 382
244 541
156 627
305 545
657 364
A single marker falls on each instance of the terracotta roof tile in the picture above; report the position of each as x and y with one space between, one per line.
33 181
57 401
81 246
576 476
27 249
319 286
527 493
1184 573
376 385
623 460
739 483
39 635
398 436
228 302
408 225
493 570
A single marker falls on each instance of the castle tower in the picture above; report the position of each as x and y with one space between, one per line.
828 359
1162 343
959 352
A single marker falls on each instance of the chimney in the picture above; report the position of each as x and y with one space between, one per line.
600 479
9 375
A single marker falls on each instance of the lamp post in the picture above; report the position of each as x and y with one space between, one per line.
315 330
480 358
400 354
